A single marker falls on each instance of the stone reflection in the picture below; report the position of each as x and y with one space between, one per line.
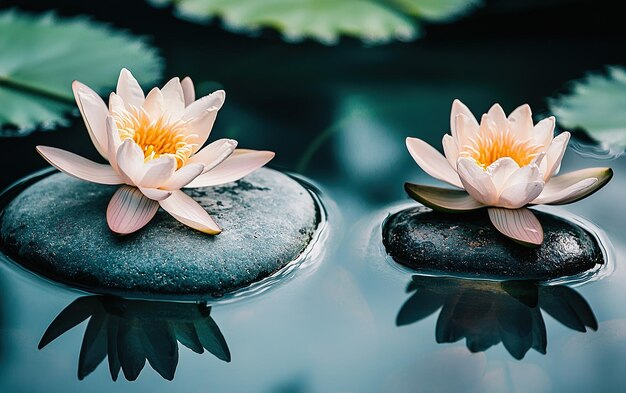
486 313
129 332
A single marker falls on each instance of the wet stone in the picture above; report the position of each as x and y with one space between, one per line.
57 227
468 245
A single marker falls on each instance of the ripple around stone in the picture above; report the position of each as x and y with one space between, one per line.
57 227
467 244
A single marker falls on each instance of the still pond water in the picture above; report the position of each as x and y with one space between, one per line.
349 320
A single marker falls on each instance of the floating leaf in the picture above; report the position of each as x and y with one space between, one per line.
374 21
43 54
596 105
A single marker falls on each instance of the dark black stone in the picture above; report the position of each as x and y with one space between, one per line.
57 227
467 244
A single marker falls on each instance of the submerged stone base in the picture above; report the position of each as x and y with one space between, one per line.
57 227
467 244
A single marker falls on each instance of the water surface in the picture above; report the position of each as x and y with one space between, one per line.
355 322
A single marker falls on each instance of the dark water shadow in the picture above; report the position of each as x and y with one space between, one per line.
486 313
129 332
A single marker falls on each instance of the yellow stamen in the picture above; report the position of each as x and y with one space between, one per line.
487 149
155 137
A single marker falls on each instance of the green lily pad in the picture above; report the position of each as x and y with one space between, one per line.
373 21
596 105
43 54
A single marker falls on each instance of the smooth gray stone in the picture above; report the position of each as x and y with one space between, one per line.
467 244
57 227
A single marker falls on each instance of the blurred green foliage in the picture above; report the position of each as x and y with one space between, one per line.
43 54
597 105
373 21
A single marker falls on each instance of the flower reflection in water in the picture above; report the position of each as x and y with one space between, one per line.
133 331
486 313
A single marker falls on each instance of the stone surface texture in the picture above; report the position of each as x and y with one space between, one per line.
57 227
467 244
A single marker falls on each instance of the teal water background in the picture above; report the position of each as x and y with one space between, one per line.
339 116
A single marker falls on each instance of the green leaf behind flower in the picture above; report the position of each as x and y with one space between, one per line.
597 105
42 54
373 21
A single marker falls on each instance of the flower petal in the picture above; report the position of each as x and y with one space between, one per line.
157 171
116 104
555 154
538 160
94 112
129 210
155 194
183 176
129 90
432 162
496 114
174 98
183 208
442 199
130 161
523 186
465 132
450 150
520 194
574 186
543 132
477 182
154 105
521 121
233 168
113 141
200 127
189 91
460 108
213 100
500 171
214 153
77 166
518 224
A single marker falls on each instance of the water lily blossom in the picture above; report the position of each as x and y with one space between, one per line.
503 164
153 145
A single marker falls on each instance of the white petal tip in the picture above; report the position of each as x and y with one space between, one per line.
211 231
564 135
184 209
221 94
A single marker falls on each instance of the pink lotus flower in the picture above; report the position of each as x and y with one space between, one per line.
502 164
153 146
